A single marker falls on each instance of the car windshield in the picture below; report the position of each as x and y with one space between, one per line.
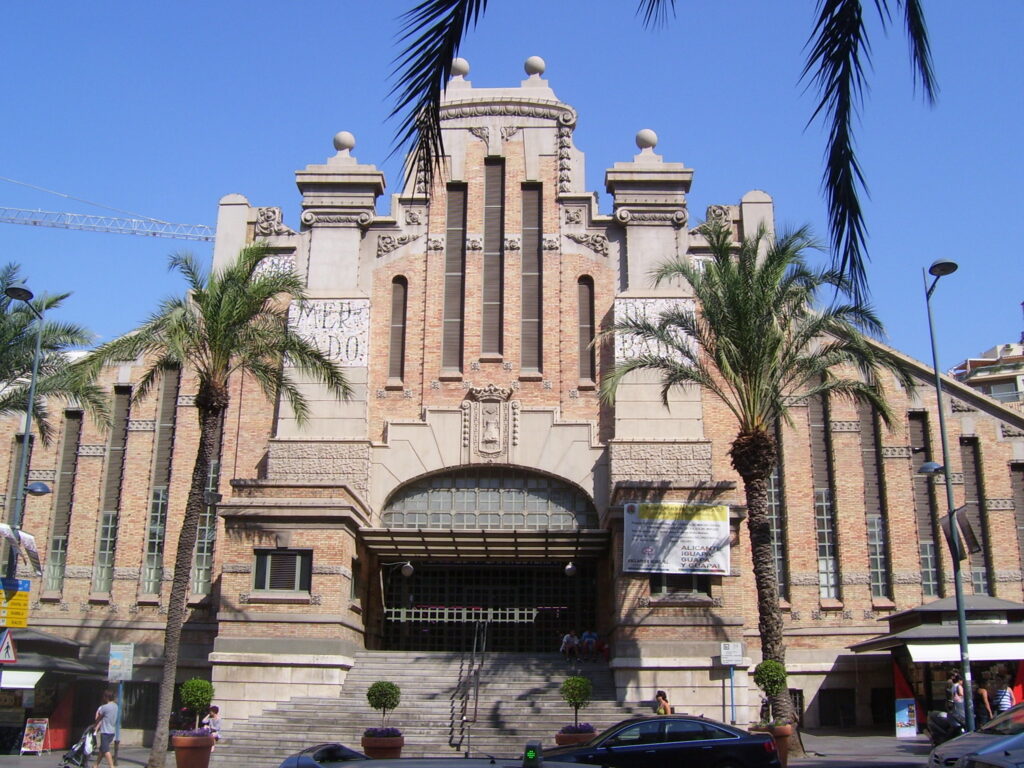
1009 723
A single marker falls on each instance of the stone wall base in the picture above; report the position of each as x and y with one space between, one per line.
246 684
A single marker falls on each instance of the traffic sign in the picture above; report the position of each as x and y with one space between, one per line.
732 654
14 602
8 654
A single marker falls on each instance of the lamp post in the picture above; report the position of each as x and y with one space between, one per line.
941 268
19 292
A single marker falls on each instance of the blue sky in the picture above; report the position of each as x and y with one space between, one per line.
163 108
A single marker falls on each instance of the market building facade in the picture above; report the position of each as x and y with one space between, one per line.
475 476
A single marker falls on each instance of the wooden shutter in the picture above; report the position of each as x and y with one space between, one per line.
532 285
454 279
396 353
65 492
493 264
115 452
586 328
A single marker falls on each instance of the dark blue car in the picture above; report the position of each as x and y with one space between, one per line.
654 742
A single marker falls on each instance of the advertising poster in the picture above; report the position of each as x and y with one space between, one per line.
906 719
35 734
676 538
122 662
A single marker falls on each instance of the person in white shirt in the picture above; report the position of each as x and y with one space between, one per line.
106 726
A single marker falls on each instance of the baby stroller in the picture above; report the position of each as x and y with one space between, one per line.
78 755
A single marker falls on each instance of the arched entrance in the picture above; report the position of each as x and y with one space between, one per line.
489 544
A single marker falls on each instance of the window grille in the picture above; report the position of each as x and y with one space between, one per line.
828 576
103 570
153 569
668 584
775 521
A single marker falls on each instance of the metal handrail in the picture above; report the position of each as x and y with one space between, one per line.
467 690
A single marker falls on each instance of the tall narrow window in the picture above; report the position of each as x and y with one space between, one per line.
396 351
106 545
206 537
777 520
283 570
585 304
156 530
63 499
924 504
974 503
532 280
1017 488
454 280
494 260
824 509
875 510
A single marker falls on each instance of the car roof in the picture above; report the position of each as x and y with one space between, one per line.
458 762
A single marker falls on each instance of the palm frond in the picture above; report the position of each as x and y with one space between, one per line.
432 32
656 12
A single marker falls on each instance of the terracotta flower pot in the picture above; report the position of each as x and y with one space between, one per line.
781 734
382 747
192 751
564 739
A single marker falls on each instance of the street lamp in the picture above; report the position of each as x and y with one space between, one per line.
940 268
20 292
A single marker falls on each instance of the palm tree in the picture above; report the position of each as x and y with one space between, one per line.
233 321
755 339
838 49
18 331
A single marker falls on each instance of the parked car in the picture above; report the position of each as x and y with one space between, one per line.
653 742
1003 733
335 754
327 754
1005 759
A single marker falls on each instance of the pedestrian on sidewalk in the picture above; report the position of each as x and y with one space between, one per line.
1004 698
106 726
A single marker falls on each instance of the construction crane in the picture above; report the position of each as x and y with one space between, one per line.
120 225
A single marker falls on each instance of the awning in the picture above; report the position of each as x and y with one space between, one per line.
20 678
942 652
441 544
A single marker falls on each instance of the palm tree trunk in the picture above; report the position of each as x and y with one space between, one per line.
753 456
209 434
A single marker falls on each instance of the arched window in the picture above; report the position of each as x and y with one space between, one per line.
586 329
493 498
396 353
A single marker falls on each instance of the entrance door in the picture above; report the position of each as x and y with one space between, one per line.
528 605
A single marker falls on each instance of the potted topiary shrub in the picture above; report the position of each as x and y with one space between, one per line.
383 742
770 677
192 746
576 692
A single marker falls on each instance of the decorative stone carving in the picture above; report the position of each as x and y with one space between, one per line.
506 366
794 401
314 218
487 423
896 452
420 184
186 401
42 476
717 213
435 244
92 450
1008 431
959 406
998 504
804 579
141 425
339 328
474 243
574 394
481 132
237 568
435 384
868 615
856 577
565 158
674 218
564 114
474 366
547 385
658 462
596 242
512 243
413 216
243 598
316 600
276 264
508 131
627 347
573 215
329 570
126 574
906 577
407 394
844 426
270 221
388 243
551 243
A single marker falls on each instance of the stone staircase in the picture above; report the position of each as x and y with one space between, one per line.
518 702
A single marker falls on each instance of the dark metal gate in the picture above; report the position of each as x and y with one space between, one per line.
528 605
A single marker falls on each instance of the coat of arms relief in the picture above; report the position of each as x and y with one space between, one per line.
490 424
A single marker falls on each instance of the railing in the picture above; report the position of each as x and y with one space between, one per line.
461 614
466 697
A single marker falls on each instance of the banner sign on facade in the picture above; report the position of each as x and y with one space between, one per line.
675 538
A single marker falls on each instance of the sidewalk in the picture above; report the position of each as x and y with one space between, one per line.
852 748
128 757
